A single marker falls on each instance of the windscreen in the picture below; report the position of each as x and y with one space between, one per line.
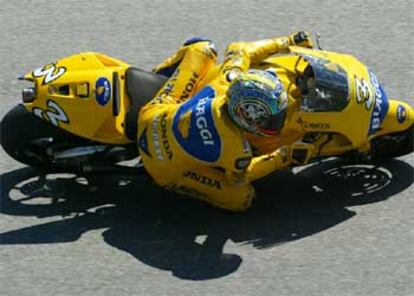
324 86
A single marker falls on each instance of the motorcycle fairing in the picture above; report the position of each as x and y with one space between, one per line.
84 87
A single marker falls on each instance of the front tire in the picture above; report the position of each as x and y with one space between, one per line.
393 145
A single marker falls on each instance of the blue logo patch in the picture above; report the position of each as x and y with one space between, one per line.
103 91
194 128
401 113
143 143
381 106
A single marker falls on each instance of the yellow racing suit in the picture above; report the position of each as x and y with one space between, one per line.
186 139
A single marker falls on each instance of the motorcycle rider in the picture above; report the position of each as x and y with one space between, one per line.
192 139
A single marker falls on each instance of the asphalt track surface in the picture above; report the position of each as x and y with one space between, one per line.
327 230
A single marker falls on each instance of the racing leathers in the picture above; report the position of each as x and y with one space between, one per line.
186 139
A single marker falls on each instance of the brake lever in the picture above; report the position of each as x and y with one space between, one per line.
317 37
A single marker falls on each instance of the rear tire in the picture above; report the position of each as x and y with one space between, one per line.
20 130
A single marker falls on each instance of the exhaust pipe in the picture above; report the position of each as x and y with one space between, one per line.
78 152
112 170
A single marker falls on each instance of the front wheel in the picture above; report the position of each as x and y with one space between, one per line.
393 145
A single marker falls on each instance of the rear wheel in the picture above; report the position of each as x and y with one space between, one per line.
37 143
25 137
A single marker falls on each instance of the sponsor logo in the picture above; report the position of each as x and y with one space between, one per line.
201 122
143 143
189 87
103 91
167 89
184 125
380 105
313 125
375 117
164 138
401 113
194 127
202 179
375 83
156 137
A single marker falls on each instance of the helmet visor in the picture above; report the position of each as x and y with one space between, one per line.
273 124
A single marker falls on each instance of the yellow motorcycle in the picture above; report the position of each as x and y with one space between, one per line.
79 114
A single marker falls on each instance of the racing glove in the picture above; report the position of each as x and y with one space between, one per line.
300 153
302 39
265 164
297 154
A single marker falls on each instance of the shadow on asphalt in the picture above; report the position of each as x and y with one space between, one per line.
187 237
